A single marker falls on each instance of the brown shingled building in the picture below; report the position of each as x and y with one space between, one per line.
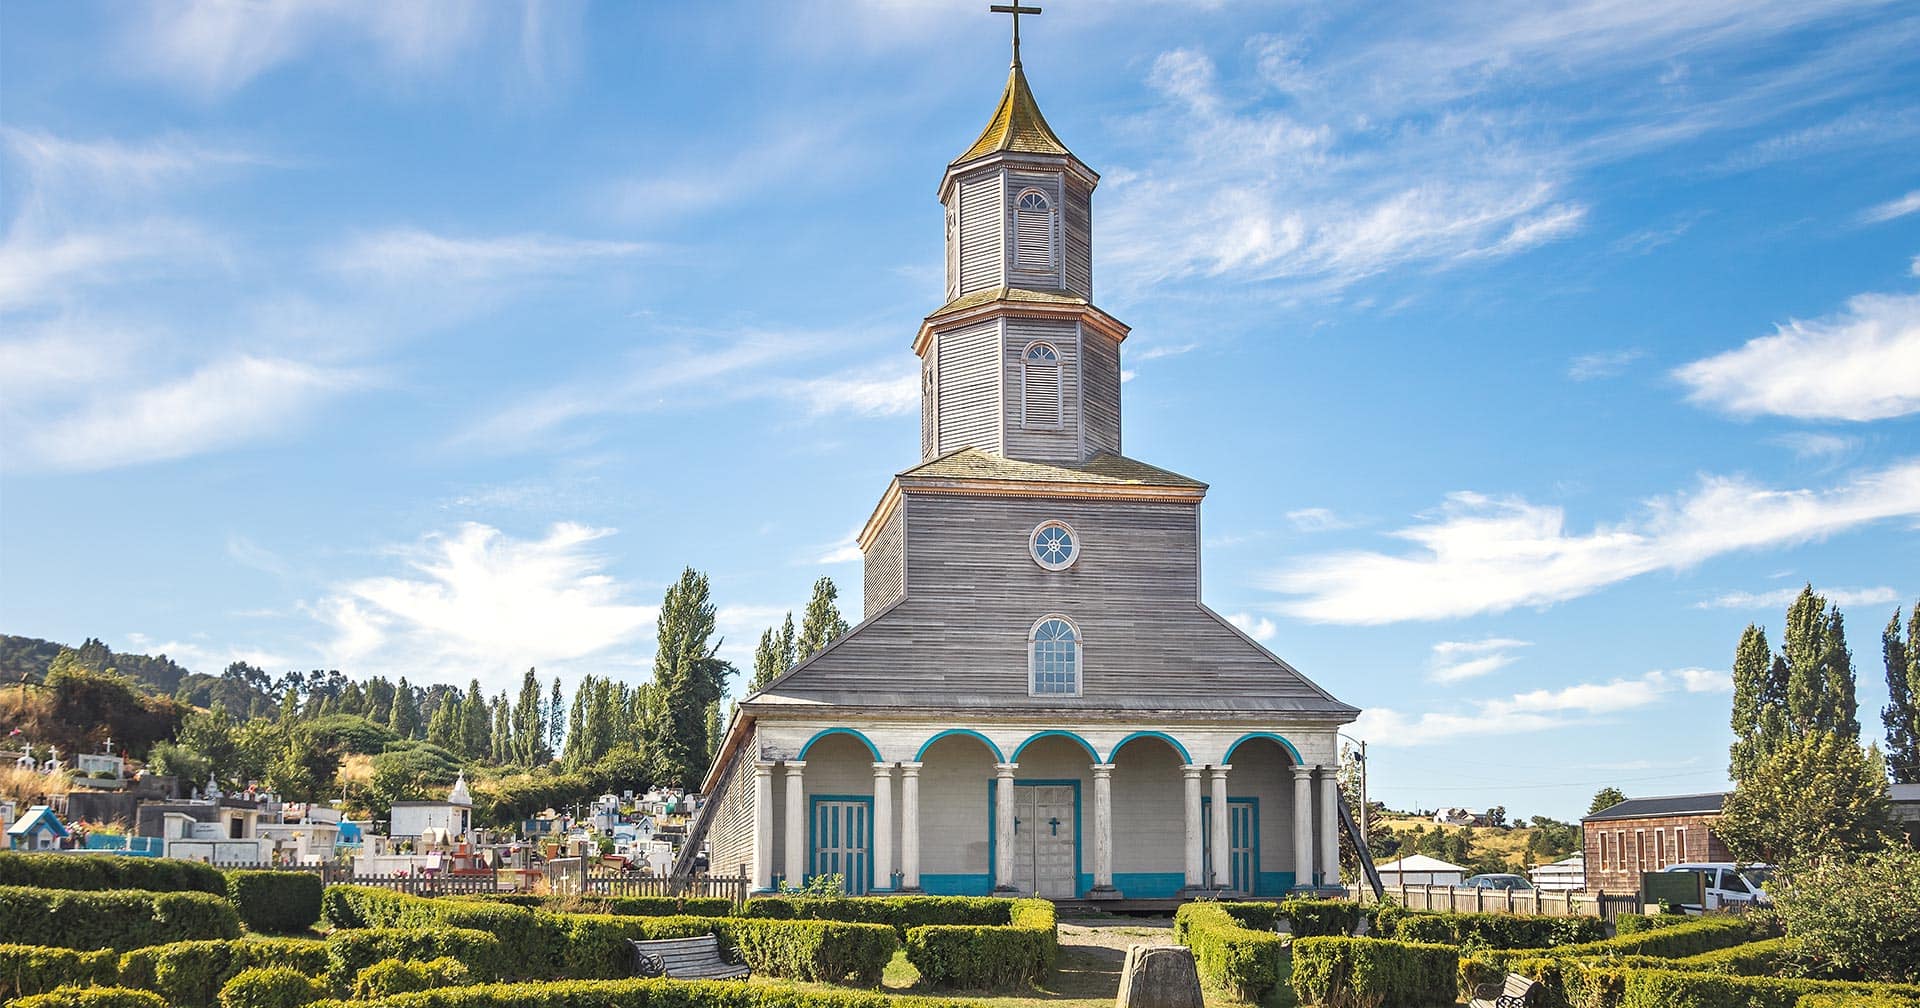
1649 834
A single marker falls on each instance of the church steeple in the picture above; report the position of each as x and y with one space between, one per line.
1017 125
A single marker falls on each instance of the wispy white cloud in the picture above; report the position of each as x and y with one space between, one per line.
247 553
1783 597
410 256
1814 445
1259 628
1606 364
844 550
888 391
1318 519
1893 208
1458 661
1484 554
1534 710
475 601
1862 363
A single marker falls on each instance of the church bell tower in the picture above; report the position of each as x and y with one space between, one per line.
1019 362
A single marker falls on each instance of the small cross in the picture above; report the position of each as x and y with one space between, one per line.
1016 10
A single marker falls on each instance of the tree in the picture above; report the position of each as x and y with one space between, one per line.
556 719
1901 715
1759 702
1821 794
405 717
766 662
475 728
822 623
1820 680
529 722
787 644
687 679
1605 798
1856 916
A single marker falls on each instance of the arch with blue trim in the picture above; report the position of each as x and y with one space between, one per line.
1092 753
823 733
1284 744
1163 736
991 747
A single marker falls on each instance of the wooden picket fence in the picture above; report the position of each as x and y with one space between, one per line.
416 885
576 876
1537 902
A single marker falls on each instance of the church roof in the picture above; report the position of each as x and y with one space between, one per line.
1103 469
1020 295
1017 125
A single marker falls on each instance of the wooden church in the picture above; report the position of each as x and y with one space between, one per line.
1037 701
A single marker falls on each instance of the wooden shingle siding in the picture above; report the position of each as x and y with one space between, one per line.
1078 244
1046 272
967 379
982 222
960 635
885 565
1057 442
930 403
730 841
1100 380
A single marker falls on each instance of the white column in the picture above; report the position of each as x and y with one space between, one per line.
1222 837
762 826
1302 826
1329 827
883 826
1102 827
910 827
1003 826
1195 865
796 863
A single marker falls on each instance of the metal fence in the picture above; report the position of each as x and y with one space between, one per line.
1538 902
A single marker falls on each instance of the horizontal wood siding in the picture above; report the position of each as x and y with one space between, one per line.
968 385
1078 242
886 574
1019 274
929 403
960 636
730 841
1059 442
982 221
1100 381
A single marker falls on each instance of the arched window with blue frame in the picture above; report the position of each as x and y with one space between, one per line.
1053 649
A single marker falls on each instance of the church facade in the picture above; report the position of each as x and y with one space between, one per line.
1037 700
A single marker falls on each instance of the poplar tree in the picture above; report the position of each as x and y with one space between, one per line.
475 741
529 722
1901 715
687 679
786 644
556 723
405 719
1820 679
823 622
773 656
1759 702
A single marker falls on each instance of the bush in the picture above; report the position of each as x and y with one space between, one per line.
349 952
668 906
1831 1000
1645 988
398 976
1627 924
986 956
109 871
1373 971
1489 930
275 902
190 974
1858 916
1312 918
1234 958
35 969
1254 916
271 987
91 997
902 912
649 994
1771 957
116 920
817 950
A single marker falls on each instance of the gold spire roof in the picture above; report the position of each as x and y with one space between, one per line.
1017 125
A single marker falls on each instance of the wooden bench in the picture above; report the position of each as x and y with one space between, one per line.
1515 992
697 958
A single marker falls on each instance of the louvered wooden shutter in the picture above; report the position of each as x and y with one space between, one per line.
1033 233
1041 407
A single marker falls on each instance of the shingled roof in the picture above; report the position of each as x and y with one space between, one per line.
1666 805
1020 295
1103 469
1017 125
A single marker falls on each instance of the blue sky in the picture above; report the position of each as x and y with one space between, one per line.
1531 353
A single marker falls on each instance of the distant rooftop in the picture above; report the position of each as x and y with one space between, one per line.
1668 805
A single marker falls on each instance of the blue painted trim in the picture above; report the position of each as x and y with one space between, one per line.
1092 753
1274 883
813 825
997 757
1083 883
1149 885
1206 834
957 885
1170 740
817 736
1291 750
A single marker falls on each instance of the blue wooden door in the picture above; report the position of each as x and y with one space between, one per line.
841 830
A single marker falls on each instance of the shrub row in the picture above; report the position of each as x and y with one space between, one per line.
1492 930
1702 934
1373 971
400 976
636 994
1768 957
271 987
1635 923
190 974
987 956
349 952
1230 955
275 902
1577 983
109 871
91 997
902 912
126 919
34 969
1831 1000
1313 918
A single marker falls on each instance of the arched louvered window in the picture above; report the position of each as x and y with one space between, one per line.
1040 382
1054 647
1033 231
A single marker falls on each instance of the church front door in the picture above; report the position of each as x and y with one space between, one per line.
1045 836
842 831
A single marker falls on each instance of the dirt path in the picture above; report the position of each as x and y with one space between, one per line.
1093 950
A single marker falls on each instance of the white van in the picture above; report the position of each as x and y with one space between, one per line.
1729 886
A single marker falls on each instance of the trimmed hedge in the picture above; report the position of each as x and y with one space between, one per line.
35 969
1635 923
116 920
1702 934
1854 1001
190 974
271 987
1373 971
902 912
1770 957
1490 930
1643 988
91 997
818 950
988 956
1314 918
109 871
276 902
620 906
1230 956
647 994
349 952
398 976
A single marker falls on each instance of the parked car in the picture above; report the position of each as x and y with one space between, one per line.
1498 881
1729 886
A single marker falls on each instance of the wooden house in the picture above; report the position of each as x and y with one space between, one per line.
1648 834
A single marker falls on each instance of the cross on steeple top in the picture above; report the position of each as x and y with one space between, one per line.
1016 9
